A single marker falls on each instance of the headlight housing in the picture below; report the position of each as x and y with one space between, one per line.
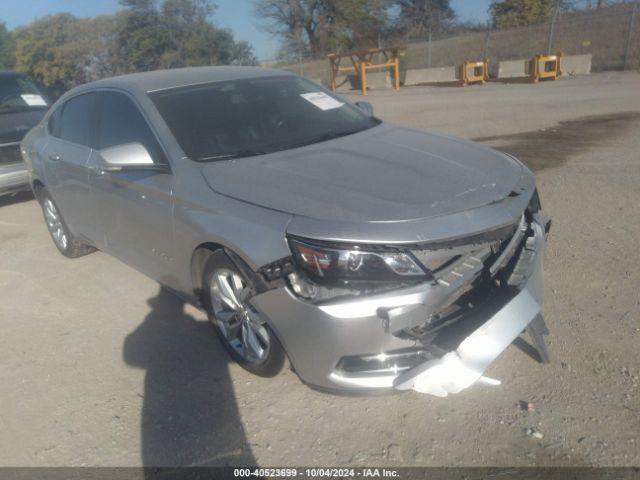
355 264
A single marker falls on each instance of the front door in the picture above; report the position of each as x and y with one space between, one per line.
131 210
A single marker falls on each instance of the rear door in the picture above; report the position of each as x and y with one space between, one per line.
131 210
66 156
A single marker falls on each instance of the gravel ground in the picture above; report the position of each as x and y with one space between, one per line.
98 366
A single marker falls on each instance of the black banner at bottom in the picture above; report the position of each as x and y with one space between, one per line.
402 473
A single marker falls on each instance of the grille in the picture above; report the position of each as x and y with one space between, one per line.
461 270
10 154
444 260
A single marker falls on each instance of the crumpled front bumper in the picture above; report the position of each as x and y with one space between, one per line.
318 337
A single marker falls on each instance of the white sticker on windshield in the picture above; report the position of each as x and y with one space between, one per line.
34 100
322 100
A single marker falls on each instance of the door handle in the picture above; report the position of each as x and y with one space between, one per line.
54 157
97 170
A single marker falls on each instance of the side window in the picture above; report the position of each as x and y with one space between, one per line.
53 125
120 122
75 121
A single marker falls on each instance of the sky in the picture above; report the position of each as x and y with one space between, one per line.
234 14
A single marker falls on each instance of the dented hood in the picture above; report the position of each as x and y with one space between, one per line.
384 174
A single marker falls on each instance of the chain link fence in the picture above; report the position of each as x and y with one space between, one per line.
610 34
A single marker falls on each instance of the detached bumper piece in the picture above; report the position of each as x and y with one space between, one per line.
460 368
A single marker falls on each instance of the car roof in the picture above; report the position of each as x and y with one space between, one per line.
181 77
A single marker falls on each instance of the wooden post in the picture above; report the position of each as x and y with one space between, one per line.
396 68
363 77
335 65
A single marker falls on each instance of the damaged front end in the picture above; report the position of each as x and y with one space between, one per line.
435 334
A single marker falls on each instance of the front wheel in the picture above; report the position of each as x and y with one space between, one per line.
241 328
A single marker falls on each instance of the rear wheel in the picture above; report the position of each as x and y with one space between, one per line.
66 243
241 328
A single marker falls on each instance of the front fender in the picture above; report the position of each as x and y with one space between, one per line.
255 234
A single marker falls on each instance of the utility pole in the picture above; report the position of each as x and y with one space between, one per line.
430 28
553 24
429 48
630 34
486 41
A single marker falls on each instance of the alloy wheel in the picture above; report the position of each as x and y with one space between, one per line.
54 224
239 323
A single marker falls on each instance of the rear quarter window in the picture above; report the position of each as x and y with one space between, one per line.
53 124
76 118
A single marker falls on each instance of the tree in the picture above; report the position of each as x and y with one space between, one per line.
518 13
7 48
179 33
41 52
195 40
139 39
62 51
416 18
317 27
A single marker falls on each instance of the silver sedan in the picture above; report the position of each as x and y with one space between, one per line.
368 255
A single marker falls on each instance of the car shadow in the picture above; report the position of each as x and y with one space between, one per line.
189 412
19 197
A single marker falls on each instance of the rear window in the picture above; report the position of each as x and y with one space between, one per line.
18 92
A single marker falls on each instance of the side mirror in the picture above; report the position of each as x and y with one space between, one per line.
366 107
130 156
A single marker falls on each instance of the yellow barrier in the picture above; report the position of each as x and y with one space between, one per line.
473 72
362 61
545 67
392 63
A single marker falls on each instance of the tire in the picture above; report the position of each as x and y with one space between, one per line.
240 327
67 244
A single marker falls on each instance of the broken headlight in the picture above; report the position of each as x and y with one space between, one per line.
354 264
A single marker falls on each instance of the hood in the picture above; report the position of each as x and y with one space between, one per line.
383 174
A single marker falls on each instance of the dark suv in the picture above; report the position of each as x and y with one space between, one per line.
22 105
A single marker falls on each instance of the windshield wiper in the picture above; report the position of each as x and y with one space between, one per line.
330 135
238 154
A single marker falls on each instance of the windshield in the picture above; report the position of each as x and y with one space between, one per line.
246 117
17 92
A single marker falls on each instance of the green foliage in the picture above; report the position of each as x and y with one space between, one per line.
139 39
416 18
7 48
316 27
63 51
44 50
518 13
195 41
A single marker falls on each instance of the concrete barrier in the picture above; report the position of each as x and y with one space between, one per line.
576 64
375 81
379 80
430 75
514 68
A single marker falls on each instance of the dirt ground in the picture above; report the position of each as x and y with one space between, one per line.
98 366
